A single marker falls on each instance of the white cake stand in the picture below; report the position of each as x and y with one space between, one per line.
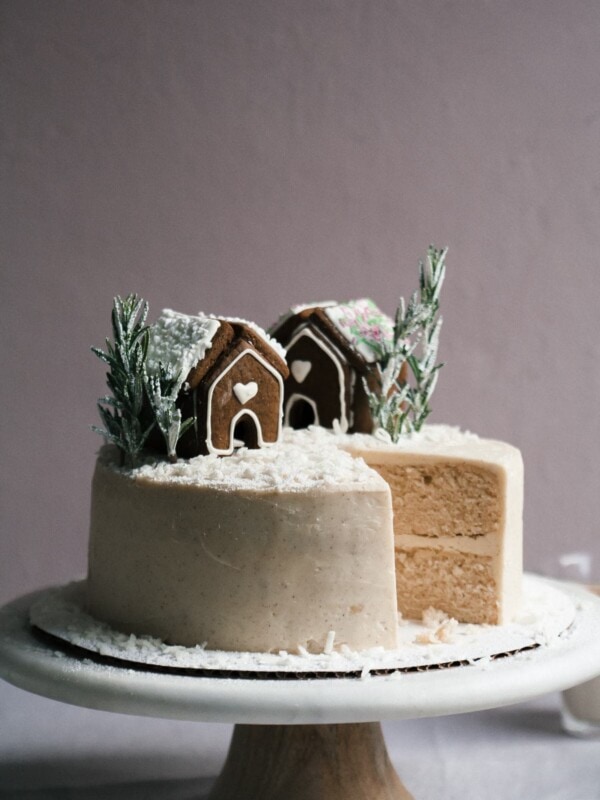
299 739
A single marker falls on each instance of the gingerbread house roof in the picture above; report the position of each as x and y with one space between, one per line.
192 345
359 328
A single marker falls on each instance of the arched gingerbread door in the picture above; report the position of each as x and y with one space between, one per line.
246 432
300 412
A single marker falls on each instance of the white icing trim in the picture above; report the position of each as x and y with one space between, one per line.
261 443
335 355
295 310
261 333
304 306
292 400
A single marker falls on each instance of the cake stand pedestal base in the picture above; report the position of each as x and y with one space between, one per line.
309 762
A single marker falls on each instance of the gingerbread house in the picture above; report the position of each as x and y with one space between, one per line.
231 380
332 350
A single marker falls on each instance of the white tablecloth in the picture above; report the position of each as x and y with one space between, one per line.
53 751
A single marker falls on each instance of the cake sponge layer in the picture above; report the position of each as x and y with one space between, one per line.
437 498
458 507
460 584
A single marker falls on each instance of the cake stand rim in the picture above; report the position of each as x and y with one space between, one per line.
43 668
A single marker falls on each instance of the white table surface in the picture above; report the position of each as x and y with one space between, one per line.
53 751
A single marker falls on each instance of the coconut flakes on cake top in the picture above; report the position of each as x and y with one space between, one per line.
281 467
428 435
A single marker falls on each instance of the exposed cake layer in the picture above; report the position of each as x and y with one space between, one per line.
461 584
435 498
458 508
458 503
274 549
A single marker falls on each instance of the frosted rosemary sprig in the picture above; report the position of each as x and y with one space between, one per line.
162 390
139 401
121 412
423 360
400 403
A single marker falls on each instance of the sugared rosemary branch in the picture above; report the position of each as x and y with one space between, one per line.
400 402
124 413
162 390
126 378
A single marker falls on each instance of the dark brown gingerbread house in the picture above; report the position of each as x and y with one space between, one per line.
331 349
234 377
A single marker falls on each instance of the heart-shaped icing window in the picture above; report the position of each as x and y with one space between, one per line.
245 391
300 369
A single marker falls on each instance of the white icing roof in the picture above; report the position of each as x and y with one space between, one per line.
303 306
297 309
364 326
180 341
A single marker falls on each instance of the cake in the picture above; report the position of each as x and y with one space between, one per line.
281 548
253 544
211 526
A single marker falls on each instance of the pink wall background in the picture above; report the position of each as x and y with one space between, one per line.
239 157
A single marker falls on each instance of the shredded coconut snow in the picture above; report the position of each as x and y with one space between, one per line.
328 648
283 467
440 628
433 617
548 610
428 435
